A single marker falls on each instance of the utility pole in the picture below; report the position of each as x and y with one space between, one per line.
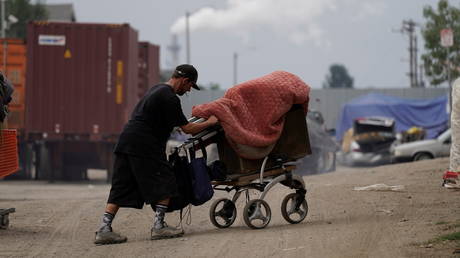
409 29
174 49
421 80
187 37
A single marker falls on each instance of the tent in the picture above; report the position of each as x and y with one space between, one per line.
430 114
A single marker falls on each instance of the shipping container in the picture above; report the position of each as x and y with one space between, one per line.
82 80
149 66
13 65
82 84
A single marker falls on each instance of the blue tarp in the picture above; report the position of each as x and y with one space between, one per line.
430 114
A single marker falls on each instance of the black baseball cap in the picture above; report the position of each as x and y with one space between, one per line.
188 71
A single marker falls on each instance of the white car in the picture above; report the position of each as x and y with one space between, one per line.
424 149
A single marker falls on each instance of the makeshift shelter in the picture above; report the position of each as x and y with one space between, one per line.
430 114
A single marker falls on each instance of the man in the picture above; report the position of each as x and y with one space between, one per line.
141 171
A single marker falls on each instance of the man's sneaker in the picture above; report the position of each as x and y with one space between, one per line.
165 232
109 237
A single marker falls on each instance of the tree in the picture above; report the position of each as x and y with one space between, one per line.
214 86
439 60
338 78
24 11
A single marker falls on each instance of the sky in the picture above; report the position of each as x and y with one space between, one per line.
304 37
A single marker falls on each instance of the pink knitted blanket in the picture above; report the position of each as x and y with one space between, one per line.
252 113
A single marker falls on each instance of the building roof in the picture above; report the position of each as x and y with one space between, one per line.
61 12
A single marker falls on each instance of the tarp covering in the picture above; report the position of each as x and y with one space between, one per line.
430 114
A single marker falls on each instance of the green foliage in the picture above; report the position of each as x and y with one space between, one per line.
453 236
214 86
338 77
24 11
441 223
437 57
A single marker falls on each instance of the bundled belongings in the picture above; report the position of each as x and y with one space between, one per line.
375 132
413 134
369 141
192 179
255 115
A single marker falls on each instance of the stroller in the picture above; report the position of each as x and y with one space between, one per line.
262 175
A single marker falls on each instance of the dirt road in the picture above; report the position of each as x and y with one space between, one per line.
59 220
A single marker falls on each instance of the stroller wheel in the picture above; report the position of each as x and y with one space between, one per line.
222 213
257 214
294 208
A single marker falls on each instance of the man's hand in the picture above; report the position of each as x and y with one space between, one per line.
212 120
194 128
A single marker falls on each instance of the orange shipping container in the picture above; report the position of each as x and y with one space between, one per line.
14 63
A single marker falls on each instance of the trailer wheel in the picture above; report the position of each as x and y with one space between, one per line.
222 213
294 208
257 214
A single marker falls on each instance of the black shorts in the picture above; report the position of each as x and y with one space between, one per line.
138 180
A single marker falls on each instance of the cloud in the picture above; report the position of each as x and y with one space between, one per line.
296 20
367 9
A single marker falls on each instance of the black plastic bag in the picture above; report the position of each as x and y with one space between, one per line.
183 181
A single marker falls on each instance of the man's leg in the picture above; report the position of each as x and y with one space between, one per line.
110 212
120 192
160 211
160 229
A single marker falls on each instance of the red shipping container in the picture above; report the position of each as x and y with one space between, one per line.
82 79
149 66
14 67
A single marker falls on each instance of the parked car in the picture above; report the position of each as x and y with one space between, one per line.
323 147
370 142
425 149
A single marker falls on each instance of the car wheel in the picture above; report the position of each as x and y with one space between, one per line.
422 156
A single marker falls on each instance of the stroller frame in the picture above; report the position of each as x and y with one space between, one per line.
257 212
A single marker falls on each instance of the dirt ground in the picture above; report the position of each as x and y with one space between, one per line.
59 220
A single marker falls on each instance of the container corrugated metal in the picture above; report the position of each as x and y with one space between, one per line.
82 78
13 64
149 66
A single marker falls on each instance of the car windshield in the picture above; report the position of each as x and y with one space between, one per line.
444 136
